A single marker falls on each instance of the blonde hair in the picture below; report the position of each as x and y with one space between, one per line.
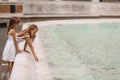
28 30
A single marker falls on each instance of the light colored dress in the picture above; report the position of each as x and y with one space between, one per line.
9 51
24 65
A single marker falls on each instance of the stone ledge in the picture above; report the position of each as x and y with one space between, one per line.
67 9
9 2
76 8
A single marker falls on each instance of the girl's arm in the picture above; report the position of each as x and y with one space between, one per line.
28 41
21 33
13 33
25 47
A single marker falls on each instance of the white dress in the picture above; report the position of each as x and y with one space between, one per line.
9 51
24 66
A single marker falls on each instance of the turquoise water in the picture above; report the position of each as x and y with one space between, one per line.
82 51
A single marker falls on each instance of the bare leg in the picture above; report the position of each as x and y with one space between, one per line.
10 66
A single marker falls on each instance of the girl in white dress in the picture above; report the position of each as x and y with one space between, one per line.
24 66
29 35
11 47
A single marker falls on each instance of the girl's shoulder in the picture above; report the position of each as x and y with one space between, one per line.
12 31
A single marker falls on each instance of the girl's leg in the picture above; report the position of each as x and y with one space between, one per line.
10 66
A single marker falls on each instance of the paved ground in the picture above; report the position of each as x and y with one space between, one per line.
3 69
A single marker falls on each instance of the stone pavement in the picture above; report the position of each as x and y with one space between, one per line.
3 65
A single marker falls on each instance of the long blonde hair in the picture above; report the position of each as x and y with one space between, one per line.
32 27
28 30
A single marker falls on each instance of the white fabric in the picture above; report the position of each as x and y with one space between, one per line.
24 67
9 51
20 39
24 64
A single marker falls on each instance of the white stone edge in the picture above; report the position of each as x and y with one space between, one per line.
72 21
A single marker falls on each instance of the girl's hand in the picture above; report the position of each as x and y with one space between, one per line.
18 51
36 58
